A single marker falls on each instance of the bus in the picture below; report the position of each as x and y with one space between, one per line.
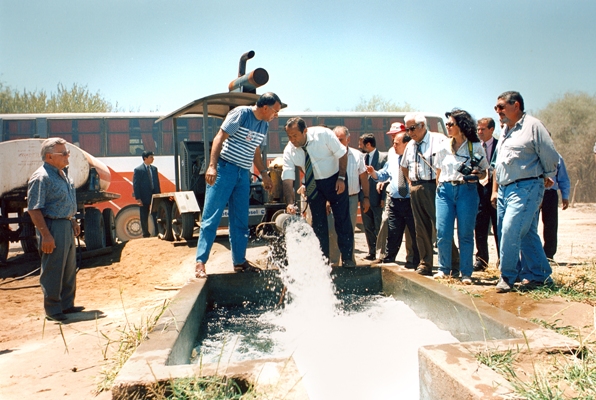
119 139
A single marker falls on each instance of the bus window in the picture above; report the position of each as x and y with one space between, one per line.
167 137
24 129
62 128
195 129
119 137
89 136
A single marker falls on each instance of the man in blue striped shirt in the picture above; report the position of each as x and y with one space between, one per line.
235 149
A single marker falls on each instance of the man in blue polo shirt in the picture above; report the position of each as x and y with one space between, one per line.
235 148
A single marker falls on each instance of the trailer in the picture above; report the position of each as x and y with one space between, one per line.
18 160
179 213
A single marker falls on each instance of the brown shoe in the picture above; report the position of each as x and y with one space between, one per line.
422 270
246 267
200 270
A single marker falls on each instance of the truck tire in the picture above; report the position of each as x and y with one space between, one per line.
94 233
164 221
29 241
3 251
109 225
128 223
183 225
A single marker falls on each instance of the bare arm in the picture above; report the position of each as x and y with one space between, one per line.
258 161
47 240
289 196
211 173
340 185
493 197
406 174
365 190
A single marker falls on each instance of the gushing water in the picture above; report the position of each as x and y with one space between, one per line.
359 347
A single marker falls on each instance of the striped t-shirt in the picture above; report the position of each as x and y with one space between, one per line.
245 132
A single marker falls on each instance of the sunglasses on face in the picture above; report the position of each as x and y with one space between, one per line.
413 127
63 153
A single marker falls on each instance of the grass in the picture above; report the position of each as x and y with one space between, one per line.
131 336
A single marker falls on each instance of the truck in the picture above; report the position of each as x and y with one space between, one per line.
18 160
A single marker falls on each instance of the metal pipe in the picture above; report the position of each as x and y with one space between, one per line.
243 59
250 82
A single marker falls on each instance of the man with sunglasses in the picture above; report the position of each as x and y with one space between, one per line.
526 159
417 167
52 204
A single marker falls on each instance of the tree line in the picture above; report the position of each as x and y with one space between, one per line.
571 120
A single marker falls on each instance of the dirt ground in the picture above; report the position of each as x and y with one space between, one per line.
43 360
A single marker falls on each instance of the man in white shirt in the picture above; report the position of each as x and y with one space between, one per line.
357 178
323 159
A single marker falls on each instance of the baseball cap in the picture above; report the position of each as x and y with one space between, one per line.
396 127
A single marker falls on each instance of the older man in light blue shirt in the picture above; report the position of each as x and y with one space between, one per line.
526 158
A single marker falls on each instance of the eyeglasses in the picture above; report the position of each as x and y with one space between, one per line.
500 107
413 127
450 124
64 153
273 109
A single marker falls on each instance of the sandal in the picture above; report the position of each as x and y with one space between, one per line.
200 271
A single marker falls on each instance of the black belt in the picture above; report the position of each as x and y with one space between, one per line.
420 182
523 179
400 198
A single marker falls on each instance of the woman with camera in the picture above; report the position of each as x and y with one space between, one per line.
460 164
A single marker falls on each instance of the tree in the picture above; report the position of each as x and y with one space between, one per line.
76 99
379 103
571 120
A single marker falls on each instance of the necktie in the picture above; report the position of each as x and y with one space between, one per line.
402 185
150 176
416 172
486 151
366 159
309 177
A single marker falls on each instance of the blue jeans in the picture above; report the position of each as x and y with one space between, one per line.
231 188
520 248
461 202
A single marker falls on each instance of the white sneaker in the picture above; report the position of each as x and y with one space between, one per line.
466 280
439 275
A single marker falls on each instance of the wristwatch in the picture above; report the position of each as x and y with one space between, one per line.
343 178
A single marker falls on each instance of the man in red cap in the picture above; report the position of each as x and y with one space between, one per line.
395 128
399 214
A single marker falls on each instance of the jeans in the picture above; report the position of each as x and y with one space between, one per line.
520 250
231 188
461 202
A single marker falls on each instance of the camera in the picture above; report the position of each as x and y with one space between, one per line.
466 171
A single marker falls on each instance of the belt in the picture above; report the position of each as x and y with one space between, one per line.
355 194
55 218
420 182
456 183
522 179
400 198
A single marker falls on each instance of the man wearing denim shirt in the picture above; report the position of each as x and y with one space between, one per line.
526 158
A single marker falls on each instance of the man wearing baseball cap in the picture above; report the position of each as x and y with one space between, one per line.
399 210
395 128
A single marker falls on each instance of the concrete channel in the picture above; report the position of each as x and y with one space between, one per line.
449 371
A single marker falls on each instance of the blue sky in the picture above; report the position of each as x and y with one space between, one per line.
321 55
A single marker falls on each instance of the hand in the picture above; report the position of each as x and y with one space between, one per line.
340 186
565 203
365 205
301 190
267 182
76 228
369 169
211 175
291 209
47 243
139 202
548 182
493 199
380 186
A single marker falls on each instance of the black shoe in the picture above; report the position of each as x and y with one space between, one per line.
480 266
388 260
422 270
57 317
348 264
73 309
246 267
370 257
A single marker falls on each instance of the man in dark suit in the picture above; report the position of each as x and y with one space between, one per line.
145 183
486 212
372 218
